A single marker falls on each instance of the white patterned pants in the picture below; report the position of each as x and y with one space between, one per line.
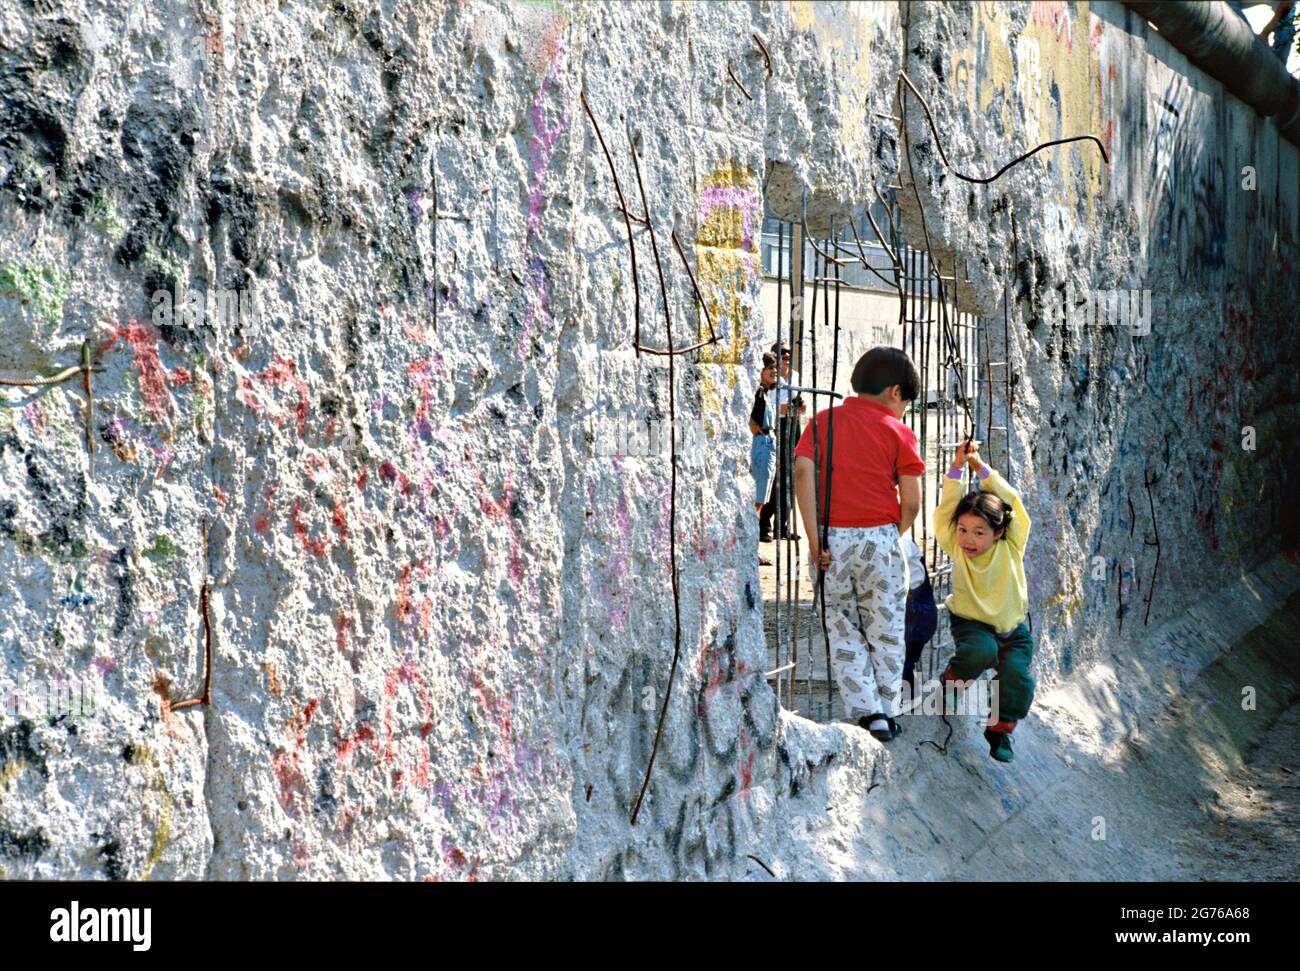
866 603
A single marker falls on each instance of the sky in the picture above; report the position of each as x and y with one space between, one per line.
1259 14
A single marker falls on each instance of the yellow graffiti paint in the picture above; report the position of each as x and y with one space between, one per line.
1051 66
1068 600
801 12
844 34
9 773
145 757
729 221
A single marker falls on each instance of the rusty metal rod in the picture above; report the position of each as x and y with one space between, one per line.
622 205
713 336
672 494
736 81
206 697
767 58
1151 587
1015 161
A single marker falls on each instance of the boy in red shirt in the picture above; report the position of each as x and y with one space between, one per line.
875 473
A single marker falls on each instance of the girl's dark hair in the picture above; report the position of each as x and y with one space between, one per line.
994 510
884 367
769 360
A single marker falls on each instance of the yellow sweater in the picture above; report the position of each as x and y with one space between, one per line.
989 587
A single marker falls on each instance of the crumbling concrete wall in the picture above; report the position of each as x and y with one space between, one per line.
1122 438
440 607
439 588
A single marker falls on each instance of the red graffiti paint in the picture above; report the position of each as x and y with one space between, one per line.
746 748
287 764
344 749
143 341
420 373
292 786
404 594
279 373
341 625
316 546
391 473
500 509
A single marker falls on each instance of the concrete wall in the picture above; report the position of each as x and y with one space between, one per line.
440 605
1099 408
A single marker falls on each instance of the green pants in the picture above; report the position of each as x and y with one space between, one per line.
978 650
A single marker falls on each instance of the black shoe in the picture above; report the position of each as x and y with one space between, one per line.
765 537
880 734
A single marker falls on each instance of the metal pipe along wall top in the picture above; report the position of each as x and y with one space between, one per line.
1223 46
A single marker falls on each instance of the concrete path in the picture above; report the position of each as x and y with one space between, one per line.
1175 763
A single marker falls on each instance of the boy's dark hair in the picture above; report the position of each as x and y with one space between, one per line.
993 509
884 367
769 360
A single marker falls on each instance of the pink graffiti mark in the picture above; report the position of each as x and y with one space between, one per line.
279 373
143 341
122 431
32 412
403 752
541 147
1055 15
731 197
287 765
420 374
495 788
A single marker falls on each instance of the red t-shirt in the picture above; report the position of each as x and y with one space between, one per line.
872 449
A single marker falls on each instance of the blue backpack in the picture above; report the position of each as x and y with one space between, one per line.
922 615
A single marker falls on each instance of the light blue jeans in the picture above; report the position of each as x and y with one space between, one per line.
762 463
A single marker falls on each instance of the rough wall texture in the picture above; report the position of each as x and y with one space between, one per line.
1099 411
439 601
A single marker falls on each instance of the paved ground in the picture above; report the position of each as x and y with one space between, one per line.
1109 783
1254 821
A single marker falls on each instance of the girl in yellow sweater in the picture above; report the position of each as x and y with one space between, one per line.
985 534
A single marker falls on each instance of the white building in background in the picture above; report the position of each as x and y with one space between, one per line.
868 312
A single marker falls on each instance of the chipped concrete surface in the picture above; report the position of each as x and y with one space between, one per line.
440 604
